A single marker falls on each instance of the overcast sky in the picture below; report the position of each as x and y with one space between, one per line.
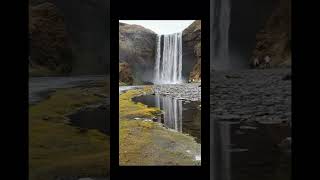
161 26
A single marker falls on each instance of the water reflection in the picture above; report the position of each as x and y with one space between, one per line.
92 118
179 115
240 152
172 108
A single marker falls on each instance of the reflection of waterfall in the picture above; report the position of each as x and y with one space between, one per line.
168 66
172 112
220 155
225 135
219 33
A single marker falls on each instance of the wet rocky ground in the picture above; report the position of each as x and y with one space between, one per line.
188 91
250 124
262 96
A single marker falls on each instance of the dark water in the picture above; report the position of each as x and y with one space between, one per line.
242 152
93 118
182 116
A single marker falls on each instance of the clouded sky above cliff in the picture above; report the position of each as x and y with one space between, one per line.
161 26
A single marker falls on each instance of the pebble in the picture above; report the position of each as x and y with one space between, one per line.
254 96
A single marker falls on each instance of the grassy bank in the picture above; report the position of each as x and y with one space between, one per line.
148 143
58 149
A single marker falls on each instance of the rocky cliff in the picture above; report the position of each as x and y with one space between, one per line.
125 74
88 25
137 49
50 48
137 46
191 42
70 35
275 38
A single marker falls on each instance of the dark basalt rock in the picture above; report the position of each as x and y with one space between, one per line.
50 46
69 36
274 39
191 47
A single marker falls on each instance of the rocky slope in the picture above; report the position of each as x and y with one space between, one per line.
191 38
125 74
50 49
69 36
275 38
137 48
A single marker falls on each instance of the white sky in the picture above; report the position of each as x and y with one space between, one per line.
161 26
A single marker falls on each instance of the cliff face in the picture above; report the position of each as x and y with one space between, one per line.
137 48
87 23
50 50
125 74
191 42
75 32
275 38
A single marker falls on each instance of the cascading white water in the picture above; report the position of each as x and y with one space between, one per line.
168 66
219 35
220 20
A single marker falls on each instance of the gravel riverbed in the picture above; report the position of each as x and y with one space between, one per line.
188 91
263 96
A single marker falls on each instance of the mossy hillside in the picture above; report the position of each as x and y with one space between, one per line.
58 149
149 143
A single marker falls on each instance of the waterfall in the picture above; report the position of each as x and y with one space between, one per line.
158 56
168 66
219 33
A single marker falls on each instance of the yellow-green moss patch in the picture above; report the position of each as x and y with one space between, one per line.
58 149
130 109
149 143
